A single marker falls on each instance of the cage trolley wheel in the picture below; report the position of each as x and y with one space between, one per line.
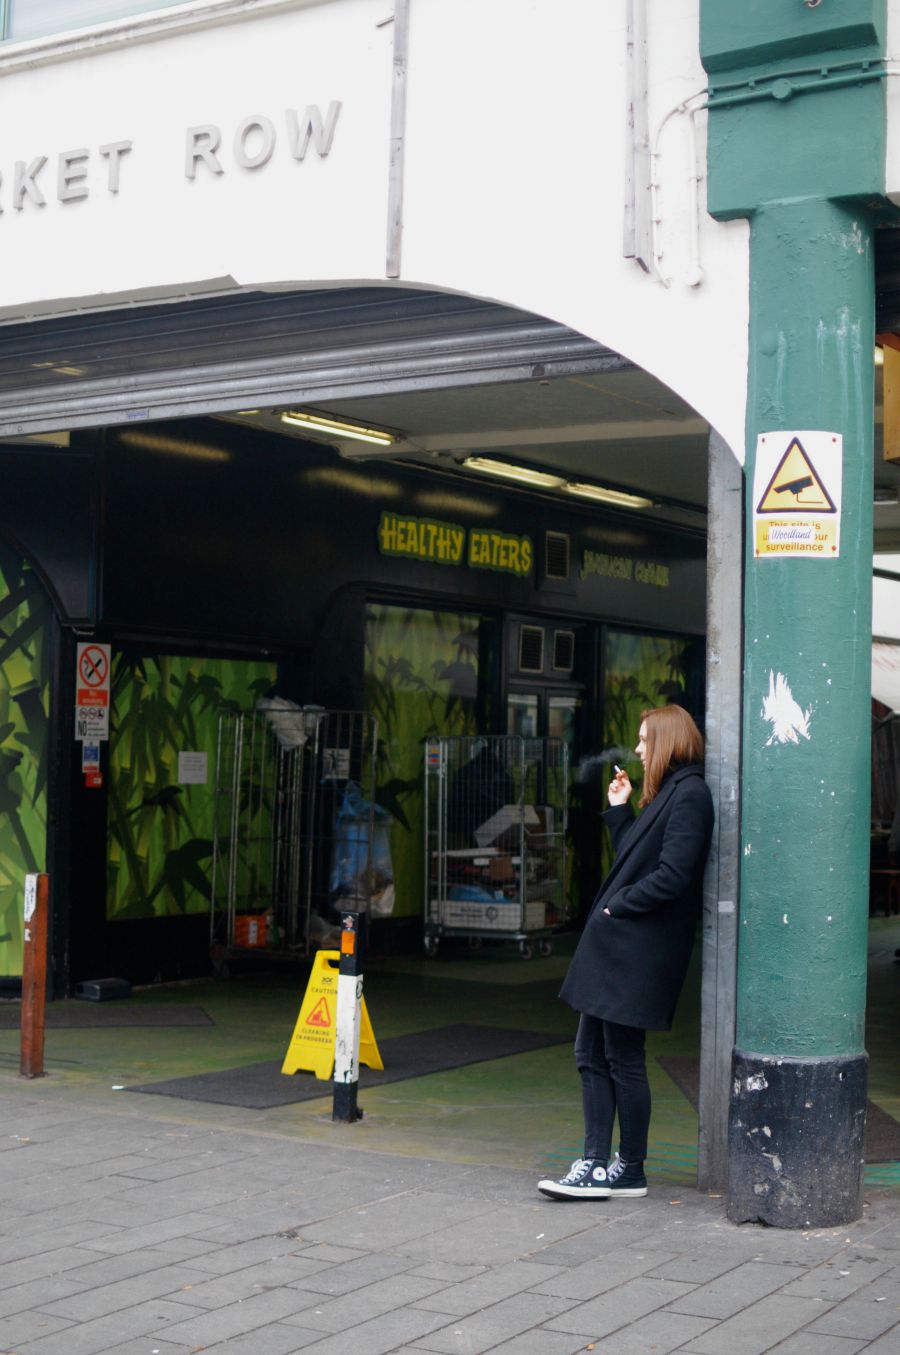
431 944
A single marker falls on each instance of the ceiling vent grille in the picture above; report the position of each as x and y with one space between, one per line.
531 649
556 555
563 651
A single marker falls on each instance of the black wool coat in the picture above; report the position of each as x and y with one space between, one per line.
629 965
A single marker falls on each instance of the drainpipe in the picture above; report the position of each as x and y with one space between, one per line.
398 135
636 243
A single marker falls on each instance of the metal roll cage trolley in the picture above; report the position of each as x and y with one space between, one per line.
292 842
495 840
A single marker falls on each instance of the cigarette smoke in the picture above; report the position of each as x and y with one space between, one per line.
591 768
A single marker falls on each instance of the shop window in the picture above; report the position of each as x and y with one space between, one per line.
23 19
556 555
531 649
63 21
421 679
38 18
160 814
24 711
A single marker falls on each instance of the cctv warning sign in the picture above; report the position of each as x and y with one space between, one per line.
797 495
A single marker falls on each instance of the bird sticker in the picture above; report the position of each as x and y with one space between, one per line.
789 721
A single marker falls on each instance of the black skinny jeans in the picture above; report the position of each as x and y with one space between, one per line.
610 1059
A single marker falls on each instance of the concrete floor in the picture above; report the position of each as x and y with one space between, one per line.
520 1112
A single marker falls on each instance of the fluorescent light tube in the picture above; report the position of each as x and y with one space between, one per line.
603 495
504 470
336 428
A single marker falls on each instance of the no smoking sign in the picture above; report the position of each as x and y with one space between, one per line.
93 665
92 691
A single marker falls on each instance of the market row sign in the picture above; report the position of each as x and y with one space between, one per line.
208 149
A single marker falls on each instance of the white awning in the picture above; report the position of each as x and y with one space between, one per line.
886 674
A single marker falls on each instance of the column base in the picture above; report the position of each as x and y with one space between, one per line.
795 1140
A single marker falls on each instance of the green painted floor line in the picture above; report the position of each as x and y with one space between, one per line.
523 1110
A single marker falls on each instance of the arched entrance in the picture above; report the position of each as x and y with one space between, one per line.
223 504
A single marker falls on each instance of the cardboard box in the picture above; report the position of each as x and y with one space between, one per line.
503 869
506 824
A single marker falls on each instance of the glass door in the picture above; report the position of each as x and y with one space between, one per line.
552 712
523 712
562 718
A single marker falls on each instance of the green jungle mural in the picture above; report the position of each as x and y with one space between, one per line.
640 671
25 614
421 679
160 833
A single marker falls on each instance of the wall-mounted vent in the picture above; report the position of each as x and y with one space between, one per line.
556 555
531 649
563 651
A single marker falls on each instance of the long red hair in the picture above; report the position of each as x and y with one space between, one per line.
673 740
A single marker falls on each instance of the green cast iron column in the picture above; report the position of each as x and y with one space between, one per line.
796 145
795 1149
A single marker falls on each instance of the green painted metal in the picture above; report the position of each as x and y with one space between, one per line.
828 141
760 32
805 810
807 169
797 101
793 82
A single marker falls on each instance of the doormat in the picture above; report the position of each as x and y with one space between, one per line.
882 1130
260 1086
76 1015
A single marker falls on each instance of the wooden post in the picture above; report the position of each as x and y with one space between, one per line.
34 976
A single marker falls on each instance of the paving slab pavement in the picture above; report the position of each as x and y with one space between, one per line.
135 1233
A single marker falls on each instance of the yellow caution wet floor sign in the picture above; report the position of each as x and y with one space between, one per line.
311 1049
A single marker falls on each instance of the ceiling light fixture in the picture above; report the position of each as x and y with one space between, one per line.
505 470
337 428
604 495
879 356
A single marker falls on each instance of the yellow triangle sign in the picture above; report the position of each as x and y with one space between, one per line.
795 486
311 1049
320 1014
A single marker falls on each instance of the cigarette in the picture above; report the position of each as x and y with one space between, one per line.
617 768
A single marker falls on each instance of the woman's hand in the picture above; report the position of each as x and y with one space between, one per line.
620 788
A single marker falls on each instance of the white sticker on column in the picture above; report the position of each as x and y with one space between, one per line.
789 722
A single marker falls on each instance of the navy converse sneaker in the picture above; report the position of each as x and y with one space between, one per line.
626 1178
585 1180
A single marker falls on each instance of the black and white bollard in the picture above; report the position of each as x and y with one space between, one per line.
348 1018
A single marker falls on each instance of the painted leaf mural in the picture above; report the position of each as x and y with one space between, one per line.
24 710
160 832
421 679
